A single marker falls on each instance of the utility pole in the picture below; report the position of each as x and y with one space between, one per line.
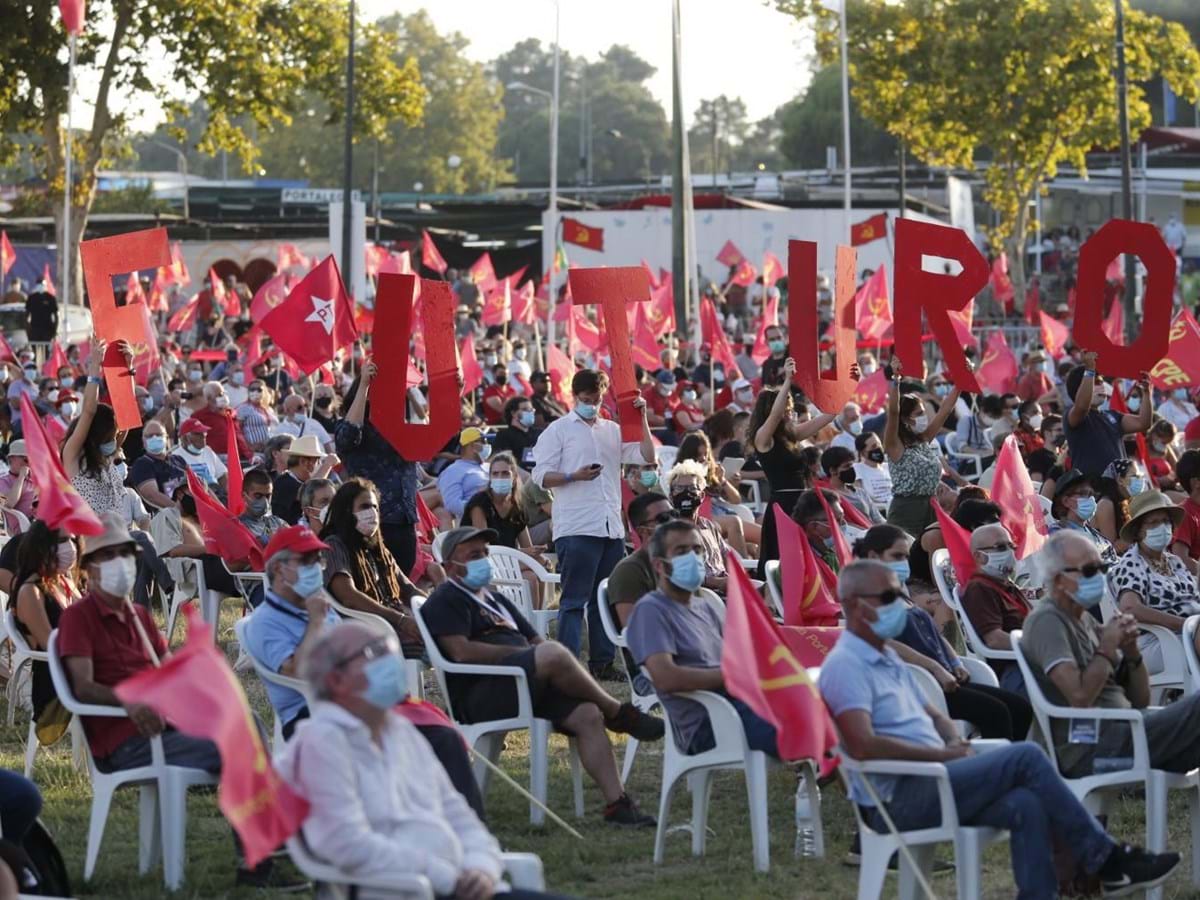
1132 326
348 151
712 112
375 190
904 176
679 270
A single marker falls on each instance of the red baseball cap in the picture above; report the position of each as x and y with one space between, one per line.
1192 431
297 538
192 426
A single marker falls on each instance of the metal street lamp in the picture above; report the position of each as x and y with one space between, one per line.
183 168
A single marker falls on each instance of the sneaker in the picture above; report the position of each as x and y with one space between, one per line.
1129 869
267 876
623 811
606 672
632 721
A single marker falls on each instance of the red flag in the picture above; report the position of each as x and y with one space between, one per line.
645 347
811 644
770 317
72 15
744 274
177 271
133 290
808 599
59 506
1000 283
1054 335
48 281
1113 325
575 232
157 301
650 274
315 321
874 311
427 522
853 516
713 334
524 307
289 256
840 547
961 321
760 670
197 692
998 371
224 535
396 264
871 392
231 303
55 361
497 308
1118 405
868 230
8 255
6 352
472 372
270 294
430 257
660 311
1033 301
483 273
373 257
772 270
583 335
958 543
561 370
730 255
1020 509
1116 269
1181 365
233 475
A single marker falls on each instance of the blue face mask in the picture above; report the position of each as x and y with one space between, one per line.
309 579
108 448
156 444
890 620
1089 591
387 684
687 572
526 418
829 542
1085 508
1136 486
1180 394
479 573
649 478
1134 404
586 410
901 568
777 346
502 486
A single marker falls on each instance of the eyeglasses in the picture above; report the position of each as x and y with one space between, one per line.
1090 569
889 595
662 518
376 649
998 548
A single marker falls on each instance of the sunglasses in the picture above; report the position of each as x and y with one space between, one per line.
889 596
662 518
376 649
1090 569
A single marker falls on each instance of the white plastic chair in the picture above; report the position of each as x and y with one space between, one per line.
755 502
266 675
508 579
488 737
644 702
878 847
939 564
18 518
436 547
1092 790
413 668
1191 660
210 601
774 590
19 661
974 469
730 751
665 457
162 811
1174 675
522 871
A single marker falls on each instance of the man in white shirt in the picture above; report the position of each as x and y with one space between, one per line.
849 426
579 457
743 397
1174 235
195 453
298 423
872 470
380 803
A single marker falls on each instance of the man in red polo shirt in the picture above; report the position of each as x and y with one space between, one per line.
100 640
217 416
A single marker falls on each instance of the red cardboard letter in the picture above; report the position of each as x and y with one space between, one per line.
611 290
389 401
102 259
827 393
936 293
1143 240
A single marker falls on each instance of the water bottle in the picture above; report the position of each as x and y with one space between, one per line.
806 833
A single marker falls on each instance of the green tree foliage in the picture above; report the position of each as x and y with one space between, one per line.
250 62
1028 82
629 134
719 127
814 121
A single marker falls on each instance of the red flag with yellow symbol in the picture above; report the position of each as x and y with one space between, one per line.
745 274
177 271
472 371
871 392
958 543
660 311
772 269
59 504
998 370
871 302
760 669
483 273
841 547
581 235
810 644
871 229
808 592
195 690
1181 365
561 370
1020 509
431 257
1054 335
730 255
645 347
713 334
497 308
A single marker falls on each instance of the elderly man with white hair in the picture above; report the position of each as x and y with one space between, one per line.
1079 662
380 803
849 426
881 713
217 416
298 423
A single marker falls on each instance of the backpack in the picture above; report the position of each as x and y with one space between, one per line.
41 870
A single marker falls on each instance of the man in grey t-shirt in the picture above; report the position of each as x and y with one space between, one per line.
676 635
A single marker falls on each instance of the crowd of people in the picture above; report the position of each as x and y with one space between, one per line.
347 524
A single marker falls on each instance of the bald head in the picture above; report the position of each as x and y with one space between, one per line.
865 576
988 537
293 404
334 645
212 390
1065 550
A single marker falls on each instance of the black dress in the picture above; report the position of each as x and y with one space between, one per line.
788 476
508 528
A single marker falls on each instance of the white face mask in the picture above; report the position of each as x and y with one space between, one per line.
67 411
222 402
66 555
920 423
117 576
367 521
1035 422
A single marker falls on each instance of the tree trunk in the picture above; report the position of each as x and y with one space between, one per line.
1015 248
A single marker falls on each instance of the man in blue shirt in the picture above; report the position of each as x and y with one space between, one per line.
1095 433
881 714
466 476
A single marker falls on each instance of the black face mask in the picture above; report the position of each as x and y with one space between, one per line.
875 456
325 402
686 501
847 476
501 379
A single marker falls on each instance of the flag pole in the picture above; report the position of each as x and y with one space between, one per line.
504 776
64 276
141 630
845 121
537 340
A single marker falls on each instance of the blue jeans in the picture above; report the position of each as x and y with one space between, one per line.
584 561
760 734
1018 789
20 804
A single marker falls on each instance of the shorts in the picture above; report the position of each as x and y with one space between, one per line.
489 699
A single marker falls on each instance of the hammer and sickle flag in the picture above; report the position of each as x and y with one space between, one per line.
761 670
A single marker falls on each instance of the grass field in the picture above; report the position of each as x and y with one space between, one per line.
609 862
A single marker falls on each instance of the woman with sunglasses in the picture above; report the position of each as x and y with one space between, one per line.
1151 583
995 712
1123 479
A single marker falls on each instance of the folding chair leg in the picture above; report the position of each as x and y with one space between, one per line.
101 799
487 746
700 783
872 870
149 828
576 776
539 767
812 792
968 860
910 888
664 811
1156 821
631 746
173 805
1194 806
756 787
31 748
